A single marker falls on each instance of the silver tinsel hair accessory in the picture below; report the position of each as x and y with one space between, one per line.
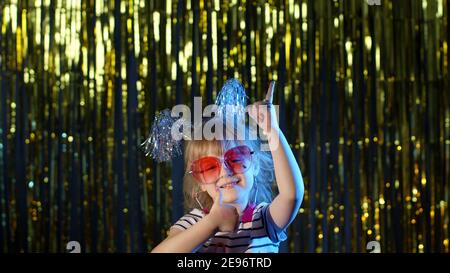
160 145
232 99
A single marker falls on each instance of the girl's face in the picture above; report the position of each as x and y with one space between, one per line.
234 187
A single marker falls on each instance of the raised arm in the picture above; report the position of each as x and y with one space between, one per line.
284 207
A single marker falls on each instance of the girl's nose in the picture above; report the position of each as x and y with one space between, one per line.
225 171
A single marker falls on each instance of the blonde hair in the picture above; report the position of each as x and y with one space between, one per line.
261 160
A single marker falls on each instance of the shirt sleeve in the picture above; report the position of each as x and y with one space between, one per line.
275 233
188 220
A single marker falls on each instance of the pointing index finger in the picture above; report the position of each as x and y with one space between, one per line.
270 91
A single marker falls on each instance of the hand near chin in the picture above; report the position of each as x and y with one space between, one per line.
223 214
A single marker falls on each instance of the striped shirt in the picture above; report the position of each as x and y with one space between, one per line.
261 235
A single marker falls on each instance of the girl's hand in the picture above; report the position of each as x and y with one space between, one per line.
224 216
264 113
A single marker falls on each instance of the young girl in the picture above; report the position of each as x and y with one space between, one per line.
228 182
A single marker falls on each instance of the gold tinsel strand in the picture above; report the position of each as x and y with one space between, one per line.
363 92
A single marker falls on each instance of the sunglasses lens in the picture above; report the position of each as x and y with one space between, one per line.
206 170
238 159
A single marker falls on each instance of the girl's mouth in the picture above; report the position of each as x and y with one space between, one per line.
229 184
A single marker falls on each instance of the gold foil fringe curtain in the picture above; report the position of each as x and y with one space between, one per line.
363 90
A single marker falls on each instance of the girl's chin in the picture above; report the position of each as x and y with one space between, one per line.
230 199
231 196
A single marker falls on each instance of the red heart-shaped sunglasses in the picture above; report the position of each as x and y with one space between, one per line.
206 170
